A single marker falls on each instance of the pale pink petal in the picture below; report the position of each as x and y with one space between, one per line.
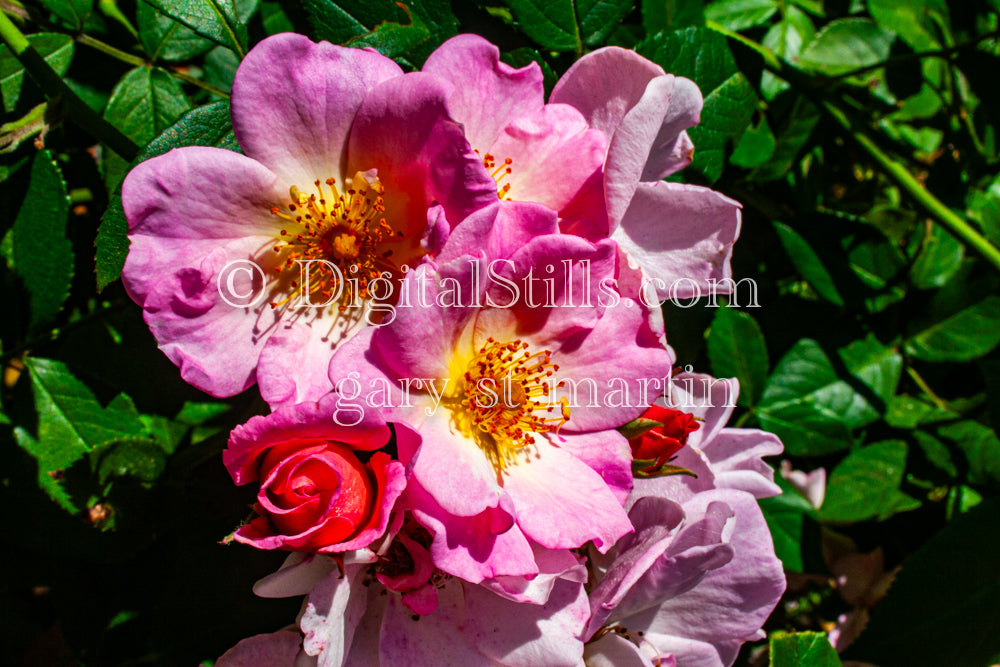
293 363
498 231
736 458
733 601
298 575
563 515
448 461
485 546
436 639
613 650
629 146
188 202
332 612
605 84
215 345
607 391
553 153
528 635
277 649
681 235
294 101
606 452
434 306
650 142
672 148
553 565
484 94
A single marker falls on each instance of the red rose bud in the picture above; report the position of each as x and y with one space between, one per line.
323 487
320 489
660 443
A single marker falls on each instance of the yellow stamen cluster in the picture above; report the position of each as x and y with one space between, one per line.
506 398
345 229
499 172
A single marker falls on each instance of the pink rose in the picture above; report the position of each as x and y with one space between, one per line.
322 485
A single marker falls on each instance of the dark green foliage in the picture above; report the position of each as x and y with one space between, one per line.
853 134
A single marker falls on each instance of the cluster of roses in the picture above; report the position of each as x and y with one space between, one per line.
456 484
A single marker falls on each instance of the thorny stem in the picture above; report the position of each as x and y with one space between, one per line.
892 168
54 87
139 62
924 387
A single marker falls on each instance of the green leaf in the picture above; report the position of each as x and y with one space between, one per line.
337 22
74 12
865 485
937 453
786 38
944 605
145 102
802 649
912 20
644 469
43 256
736 349
568 25
875 261
140 458
755 147
599 17
808 263
209 125
703 56
940 257
725 116
71 423
878 368
741 14
220 68
668 15
274 18
968 334
217 20
195 414
805 429
165 38
57 50
429 23
786 517
909 412
698 54
846 44
791 137
981 447
984 207
638 426
812 409
551 24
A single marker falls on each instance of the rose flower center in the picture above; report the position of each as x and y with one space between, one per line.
346 230
504 397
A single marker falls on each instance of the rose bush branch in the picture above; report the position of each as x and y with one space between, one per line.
892 168
141 62
53 86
